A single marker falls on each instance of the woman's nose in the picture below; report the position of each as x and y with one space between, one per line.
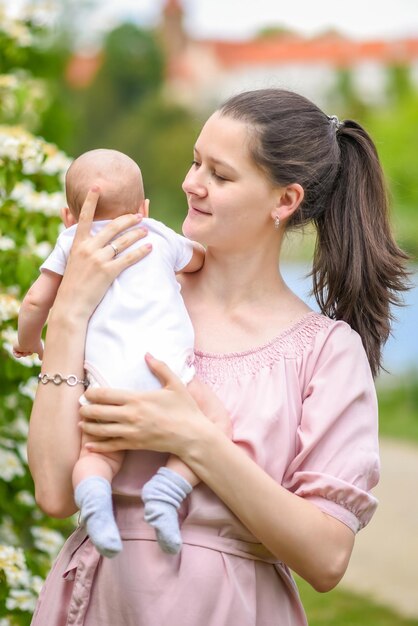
193 183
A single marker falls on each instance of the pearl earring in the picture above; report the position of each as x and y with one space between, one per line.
276 222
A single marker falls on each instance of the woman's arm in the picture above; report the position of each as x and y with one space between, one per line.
313 544
310 542
54 437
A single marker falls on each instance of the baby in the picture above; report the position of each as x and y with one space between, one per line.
141 312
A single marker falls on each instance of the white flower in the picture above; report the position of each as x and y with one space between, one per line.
26 498
7 533
37 155
18 144
56 162
18 577
16 29
23 452
12 562
22 96
49 203
20 426
4 621
43 249
21 599
36 585
10 401
29 387
13 290
38 201
22 192
40 249
8 81
9 336
9 444
7 244
11 557
9 307
10 465
47 540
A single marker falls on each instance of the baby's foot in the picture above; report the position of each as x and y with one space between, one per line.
162 496
163 518
104 534
94 498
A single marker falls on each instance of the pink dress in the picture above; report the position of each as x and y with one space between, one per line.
304 408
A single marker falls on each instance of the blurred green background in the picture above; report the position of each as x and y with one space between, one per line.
47 118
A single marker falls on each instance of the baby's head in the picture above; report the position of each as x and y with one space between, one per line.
117 175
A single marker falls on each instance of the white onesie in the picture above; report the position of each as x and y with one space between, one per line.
142 311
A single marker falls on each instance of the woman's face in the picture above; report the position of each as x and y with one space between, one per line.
230 199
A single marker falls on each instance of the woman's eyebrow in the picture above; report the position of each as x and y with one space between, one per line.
217 161
222 163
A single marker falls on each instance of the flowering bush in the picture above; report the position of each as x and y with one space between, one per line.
31 195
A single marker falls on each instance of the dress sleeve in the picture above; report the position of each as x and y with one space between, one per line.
337 457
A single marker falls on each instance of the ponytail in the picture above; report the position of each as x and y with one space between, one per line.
358 270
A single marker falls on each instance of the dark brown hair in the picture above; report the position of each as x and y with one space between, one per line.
358 269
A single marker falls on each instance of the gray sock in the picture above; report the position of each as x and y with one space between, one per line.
162 496
93 496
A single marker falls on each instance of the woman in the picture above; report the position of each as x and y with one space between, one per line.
293 486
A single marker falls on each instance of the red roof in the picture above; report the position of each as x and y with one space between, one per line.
335 50
332 49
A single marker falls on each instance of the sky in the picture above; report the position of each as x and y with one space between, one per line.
240 19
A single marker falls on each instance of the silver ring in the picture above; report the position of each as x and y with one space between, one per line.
114 248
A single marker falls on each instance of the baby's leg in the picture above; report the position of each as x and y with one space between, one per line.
92 481
164 493
96 464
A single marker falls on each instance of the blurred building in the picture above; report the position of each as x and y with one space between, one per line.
202 72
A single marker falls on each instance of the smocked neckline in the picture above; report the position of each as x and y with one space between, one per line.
285 333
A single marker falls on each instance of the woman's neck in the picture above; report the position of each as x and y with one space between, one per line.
236 303
241 278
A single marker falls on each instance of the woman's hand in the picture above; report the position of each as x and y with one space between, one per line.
165 420
93 263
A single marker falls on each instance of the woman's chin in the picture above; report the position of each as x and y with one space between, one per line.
189 230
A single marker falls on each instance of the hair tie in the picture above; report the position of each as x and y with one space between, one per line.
335 122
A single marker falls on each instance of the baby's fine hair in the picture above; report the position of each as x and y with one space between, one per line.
358 269
118 177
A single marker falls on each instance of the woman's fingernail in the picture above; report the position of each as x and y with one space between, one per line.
148 246
95 188
139 216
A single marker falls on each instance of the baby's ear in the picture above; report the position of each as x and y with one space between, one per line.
67 217
144 208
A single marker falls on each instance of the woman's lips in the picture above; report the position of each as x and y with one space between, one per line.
199 211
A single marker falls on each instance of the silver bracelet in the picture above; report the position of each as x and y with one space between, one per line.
57 379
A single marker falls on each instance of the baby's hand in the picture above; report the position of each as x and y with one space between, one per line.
21 351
